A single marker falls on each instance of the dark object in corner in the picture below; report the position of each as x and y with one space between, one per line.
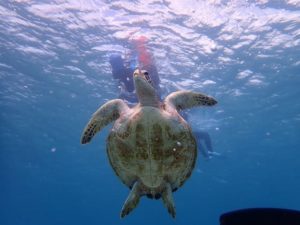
261 216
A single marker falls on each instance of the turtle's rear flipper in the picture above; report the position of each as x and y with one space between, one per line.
132 200
168 201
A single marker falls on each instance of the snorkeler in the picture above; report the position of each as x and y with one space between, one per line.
140 57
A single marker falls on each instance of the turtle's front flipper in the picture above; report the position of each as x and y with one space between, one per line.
132 200
188 99
168 201
107 113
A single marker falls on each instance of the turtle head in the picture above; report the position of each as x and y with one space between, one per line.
142 77
144 88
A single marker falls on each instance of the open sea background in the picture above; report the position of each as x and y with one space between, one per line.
54 73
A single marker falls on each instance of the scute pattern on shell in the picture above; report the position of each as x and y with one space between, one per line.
153 147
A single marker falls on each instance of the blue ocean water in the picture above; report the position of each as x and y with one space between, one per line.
55 73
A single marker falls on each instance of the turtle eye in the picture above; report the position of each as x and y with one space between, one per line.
146 74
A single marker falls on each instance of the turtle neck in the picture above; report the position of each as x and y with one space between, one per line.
146 93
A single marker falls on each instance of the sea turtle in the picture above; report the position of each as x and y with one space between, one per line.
150 147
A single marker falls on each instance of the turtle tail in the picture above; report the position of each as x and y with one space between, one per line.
134 198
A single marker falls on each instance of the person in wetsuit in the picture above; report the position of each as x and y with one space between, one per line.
122 70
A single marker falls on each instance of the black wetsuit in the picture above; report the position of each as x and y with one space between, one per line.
125 76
